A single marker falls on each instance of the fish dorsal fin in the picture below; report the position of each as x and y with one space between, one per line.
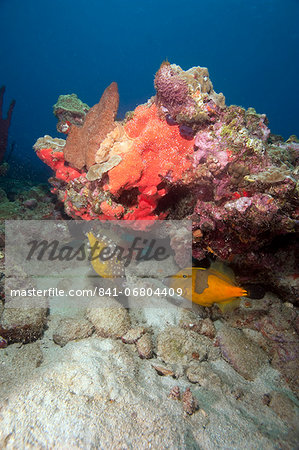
222 271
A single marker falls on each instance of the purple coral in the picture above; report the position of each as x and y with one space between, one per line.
207 145
171 89
172 92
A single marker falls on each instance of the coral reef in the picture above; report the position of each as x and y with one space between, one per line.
185 154
4 123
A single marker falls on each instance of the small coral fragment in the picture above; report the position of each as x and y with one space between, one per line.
3 342
190 403
22 324
163 371
175 393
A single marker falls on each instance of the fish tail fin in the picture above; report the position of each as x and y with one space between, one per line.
243 292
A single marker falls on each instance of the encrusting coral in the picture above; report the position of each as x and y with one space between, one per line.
182 155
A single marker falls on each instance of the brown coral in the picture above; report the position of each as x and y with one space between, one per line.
83 143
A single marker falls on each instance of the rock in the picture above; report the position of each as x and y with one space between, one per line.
203 374
31 203
214 352
72 329
133 335
22 324
17 365
90 397
203 326
207 328
278 329
175 345
1 303
145 346
246 357
283 406
113 321
257 337
187 318
98 393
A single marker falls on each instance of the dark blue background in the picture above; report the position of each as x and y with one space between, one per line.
54 47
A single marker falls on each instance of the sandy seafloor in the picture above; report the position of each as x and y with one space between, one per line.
188 379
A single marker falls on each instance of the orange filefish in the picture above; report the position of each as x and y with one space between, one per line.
208 286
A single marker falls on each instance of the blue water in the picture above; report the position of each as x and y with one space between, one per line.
54 47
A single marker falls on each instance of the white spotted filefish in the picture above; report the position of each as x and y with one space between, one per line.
104 257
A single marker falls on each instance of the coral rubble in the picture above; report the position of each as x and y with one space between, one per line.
183 154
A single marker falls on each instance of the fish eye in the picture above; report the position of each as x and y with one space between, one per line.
184 276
